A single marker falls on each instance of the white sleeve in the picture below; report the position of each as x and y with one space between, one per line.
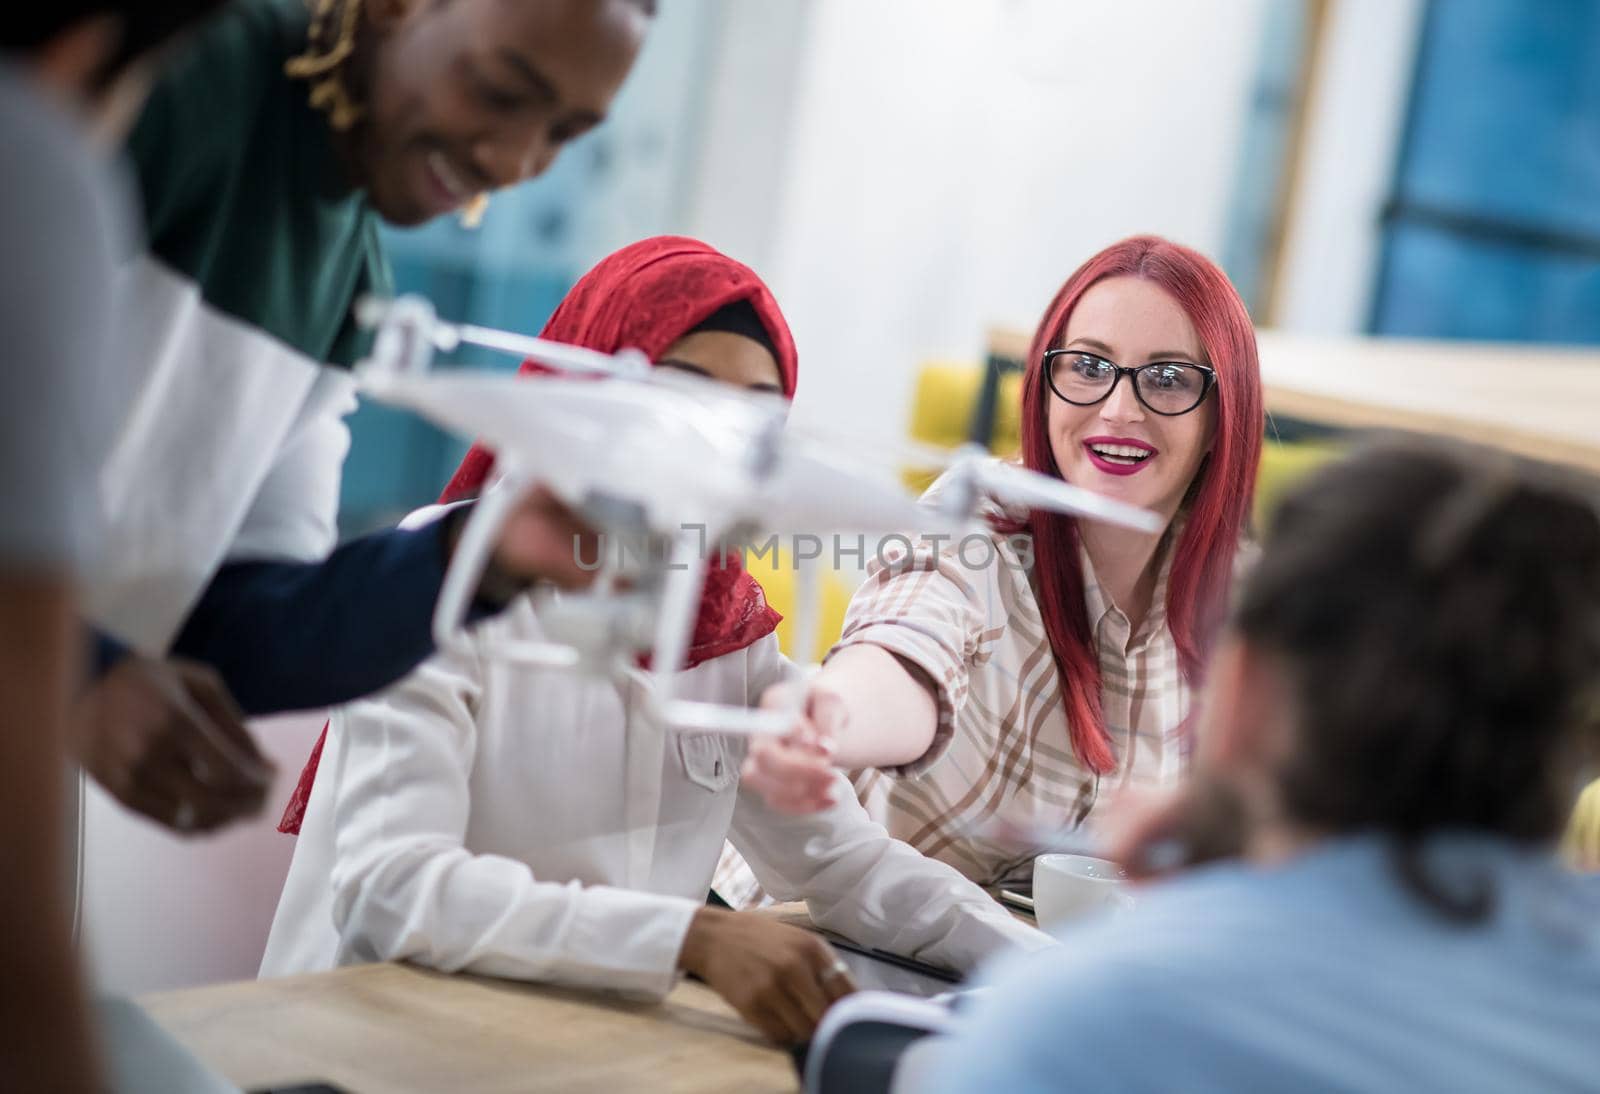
766 665
294 514
405 886
862 883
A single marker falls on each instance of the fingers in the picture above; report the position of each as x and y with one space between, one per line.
1156 834
838 983
212 731
791 780
807 980
806 737
780 978
766 1017
828 714
1137 820
833 976
168 742
159 807
828 980
790 1016
171 798
545 540
188 803
796 774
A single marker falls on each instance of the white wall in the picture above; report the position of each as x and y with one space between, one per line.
948 163
749 102
163 912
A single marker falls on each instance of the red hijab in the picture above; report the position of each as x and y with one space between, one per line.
646 296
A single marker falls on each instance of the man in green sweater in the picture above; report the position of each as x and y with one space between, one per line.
265 157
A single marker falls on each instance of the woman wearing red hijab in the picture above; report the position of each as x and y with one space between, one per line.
540 825
645 297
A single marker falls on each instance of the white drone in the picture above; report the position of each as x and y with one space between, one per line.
666 463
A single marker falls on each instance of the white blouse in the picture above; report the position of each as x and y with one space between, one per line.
540 825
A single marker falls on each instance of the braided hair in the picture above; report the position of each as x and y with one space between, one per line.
329 44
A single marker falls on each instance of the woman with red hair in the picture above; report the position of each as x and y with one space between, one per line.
482 816
992 693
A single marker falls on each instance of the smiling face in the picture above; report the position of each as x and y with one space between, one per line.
467 96
1118 446
726 357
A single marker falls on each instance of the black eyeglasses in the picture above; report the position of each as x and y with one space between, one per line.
1164 387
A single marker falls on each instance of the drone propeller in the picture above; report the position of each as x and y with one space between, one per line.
980 472
410 323
1016 485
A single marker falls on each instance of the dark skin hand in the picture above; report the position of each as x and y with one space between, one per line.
165 739
781 979
464 97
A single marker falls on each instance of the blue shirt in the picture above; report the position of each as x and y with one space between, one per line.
1323 974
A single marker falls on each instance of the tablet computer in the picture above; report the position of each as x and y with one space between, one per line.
877 970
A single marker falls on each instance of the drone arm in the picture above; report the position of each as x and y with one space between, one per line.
674 629
680 605
467 563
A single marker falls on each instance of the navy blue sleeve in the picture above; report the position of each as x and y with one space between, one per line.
104 653
295 636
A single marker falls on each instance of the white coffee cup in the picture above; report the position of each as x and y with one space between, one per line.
1070 887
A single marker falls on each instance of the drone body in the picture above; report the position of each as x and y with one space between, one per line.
668 469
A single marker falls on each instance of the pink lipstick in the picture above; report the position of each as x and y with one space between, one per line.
1119 455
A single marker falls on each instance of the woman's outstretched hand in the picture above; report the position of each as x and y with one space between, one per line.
794 773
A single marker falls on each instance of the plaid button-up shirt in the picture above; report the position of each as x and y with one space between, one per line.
1001 762
1001 773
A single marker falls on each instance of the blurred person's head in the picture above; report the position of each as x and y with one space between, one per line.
97 55
1416 652
1180 437
442 101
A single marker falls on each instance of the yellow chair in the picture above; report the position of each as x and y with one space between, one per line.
1284 463
944 409
1581 844
777 577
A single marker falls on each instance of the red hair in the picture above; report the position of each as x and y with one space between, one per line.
1218 502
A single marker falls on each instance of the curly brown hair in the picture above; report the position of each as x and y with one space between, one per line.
1438 607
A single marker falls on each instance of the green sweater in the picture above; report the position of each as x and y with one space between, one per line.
233 438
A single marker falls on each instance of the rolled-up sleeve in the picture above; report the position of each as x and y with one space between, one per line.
862 883
936 612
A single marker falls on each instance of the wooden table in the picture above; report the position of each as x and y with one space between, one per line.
399 1028
1538 401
